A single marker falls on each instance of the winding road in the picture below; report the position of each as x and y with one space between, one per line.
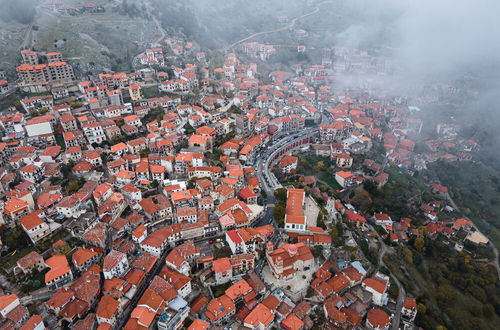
289 26
396 319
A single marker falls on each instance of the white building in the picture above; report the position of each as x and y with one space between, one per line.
115 264
377 286
94 132
8 303
240 241
295 220
34 226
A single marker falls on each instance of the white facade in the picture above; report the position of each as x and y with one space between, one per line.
118 270
185 290
9 307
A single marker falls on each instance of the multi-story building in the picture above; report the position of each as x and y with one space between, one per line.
59 273
115 264
35 77
34 226
94 132
295 220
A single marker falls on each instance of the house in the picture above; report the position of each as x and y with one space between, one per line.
108 310
223 270
409 311
34 323
295 220
132 120
8 303
137 145
261 317
248 196
206 203
83 258
333 308
187 214
95 235
59 300
440 190
315 236
199 325
59 273
201 142
135 92
292 322
220 309
34 226
31 173
139 234
124 177
82 168
377 286
159 239
383 220
157 172
240 241
30 262
144 264
94 132
131 192
115 264
344 178
177 262
344 160
157 207
462 223
288 164
68 122
377 319
70 140
381 179
15 208
50 154
102 192
69 206
179 281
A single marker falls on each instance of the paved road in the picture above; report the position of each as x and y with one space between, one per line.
289 26
263 165
39 294
158 24
396 320
401 290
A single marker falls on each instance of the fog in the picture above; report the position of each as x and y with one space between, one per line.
435 42
428 40
21 11
436 37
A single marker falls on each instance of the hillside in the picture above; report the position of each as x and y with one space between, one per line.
215 23
98 40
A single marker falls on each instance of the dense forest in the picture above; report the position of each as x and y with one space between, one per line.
453 290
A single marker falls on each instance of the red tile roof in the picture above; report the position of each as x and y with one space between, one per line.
377 318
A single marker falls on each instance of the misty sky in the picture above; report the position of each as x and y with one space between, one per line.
432 36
